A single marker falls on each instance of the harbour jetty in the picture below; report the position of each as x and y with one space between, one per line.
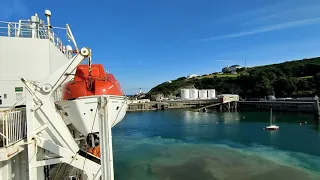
310 105
177 104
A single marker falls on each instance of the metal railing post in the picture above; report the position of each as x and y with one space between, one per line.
9 31
7 129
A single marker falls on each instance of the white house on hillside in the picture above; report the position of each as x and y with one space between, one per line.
232 68
192 75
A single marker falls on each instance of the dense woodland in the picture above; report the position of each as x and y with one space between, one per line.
299 78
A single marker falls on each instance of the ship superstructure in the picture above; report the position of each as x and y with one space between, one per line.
39 130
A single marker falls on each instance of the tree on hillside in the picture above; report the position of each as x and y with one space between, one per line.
284 87
289 79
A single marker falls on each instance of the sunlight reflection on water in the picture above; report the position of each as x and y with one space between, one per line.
173 159
190 145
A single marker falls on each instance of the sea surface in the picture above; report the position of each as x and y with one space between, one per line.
186 145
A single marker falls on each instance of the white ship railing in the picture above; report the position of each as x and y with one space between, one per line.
13 126
24 29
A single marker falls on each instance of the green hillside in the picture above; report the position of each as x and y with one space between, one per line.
299 78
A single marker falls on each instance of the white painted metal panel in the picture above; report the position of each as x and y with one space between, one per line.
24 57
56 58
30 58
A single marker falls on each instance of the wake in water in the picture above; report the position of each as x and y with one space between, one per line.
171 159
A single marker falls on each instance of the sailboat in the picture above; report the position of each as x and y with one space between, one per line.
272 126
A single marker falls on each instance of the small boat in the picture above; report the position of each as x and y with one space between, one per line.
272 126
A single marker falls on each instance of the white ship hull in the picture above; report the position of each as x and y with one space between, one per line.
82 113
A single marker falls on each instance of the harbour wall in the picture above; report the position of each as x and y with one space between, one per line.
294 106
153 105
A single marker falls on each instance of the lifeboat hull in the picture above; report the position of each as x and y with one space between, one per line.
82 112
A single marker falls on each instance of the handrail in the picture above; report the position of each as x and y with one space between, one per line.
25 29
14 127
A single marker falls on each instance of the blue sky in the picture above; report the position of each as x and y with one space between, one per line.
144 43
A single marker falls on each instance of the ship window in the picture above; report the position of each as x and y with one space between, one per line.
5 96
117 107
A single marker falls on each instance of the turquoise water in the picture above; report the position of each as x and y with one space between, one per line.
180 144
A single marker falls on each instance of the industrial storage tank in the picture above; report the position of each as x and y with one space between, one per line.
193 94
203 94
184 94
211 93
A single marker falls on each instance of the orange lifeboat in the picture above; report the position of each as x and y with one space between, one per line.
86 83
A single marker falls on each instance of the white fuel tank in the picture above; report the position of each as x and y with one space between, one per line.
184 94
194 94
211 93
203 94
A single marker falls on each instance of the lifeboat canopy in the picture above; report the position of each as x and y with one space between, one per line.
90 81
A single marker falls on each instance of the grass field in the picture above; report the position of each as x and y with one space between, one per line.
232 76
305 77
218 76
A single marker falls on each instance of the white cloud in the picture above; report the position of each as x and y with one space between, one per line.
264 10
266 29
261 19
308 10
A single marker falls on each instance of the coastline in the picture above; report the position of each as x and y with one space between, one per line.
285 106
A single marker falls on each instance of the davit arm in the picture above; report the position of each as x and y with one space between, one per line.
47 129
59 77
42 96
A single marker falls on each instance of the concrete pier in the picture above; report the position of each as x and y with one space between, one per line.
153 105
296 106
311 106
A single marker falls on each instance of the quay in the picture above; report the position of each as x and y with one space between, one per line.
308 106
278 105
197 105
311 106
178 104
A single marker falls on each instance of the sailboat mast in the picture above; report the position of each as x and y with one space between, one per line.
270 116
